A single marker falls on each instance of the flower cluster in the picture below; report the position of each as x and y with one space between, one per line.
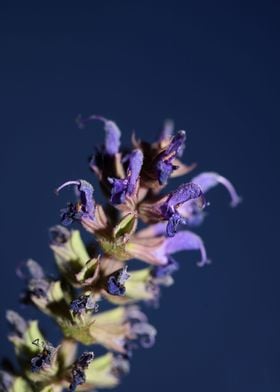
133 182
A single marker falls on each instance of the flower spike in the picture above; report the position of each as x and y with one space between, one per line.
89 274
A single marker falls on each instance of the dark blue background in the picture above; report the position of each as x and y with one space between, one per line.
214 68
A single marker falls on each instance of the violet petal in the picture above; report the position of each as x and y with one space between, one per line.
186 240
181 195
112 133
85 208
209 180
161 271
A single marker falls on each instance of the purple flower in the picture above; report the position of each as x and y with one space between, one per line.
116 282
17 323
209 180
38 288
59 235
174 221
164 161
121 188
84 208
145 333
141 330
169 208
112 133
78 371
161 271
192 211
186 240
82 304
157 250
37 282
42 360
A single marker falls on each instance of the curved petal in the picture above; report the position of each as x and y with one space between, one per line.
209 180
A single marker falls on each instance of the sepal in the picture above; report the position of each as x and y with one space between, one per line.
73 259
106 371
50 365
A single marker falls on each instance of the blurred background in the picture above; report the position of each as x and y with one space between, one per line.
214 68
